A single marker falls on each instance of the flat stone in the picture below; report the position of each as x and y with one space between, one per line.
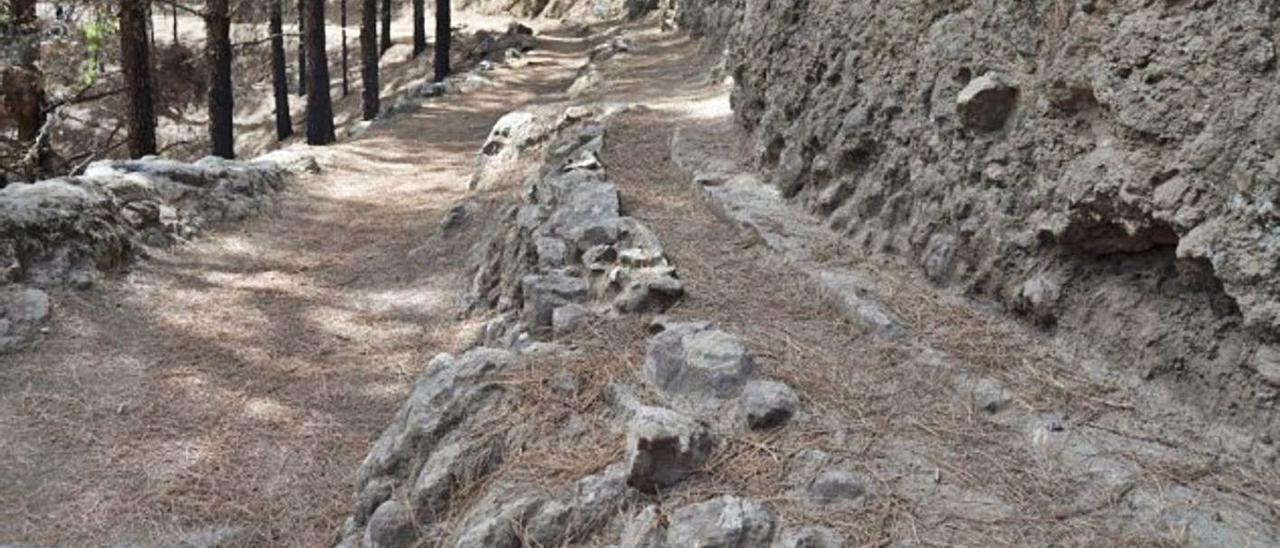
722 522
568 317
835 486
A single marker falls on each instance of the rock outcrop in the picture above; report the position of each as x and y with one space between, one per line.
1095 166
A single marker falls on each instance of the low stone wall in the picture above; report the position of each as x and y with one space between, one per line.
68 232
567 258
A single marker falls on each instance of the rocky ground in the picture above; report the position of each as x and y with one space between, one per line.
563 308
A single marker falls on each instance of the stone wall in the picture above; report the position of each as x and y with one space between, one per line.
67 232
1103 167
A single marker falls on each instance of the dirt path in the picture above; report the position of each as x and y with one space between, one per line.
237 381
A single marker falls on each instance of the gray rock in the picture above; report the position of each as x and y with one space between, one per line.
644 530
836 486
722 522
987 101
544 293
766 404
600 257
391 526
22 312
664 447
454 217
552 252
695 361
568 317
563 383
1266 361
812 536
649 290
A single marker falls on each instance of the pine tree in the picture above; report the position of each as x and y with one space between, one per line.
444 37
135 60
346 78
302 48
221 96
369 57
386 26
319 102
419 27
279 73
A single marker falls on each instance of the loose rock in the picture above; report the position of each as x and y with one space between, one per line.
664 447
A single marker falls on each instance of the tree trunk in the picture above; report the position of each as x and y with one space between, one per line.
135 60
25 89
346 78
175 23
279 73
221 99
302 48
444 37
319 102
419 27
386 27
369 57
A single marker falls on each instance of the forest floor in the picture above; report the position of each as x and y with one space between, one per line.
238 380
233 385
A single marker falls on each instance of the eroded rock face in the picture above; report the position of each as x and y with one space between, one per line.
1038 152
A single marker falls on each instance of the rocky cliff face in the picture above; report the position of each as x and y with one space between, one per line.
1103 167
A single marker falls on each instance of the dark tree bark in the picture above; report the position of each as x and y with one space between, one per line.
386 27
302 48
175 23
24 93
135 60
319 102
369 57
279 73
221 98
346 78
444 39
419 27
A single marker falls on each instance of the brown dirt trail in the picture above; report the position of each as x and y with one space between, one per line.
238 380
